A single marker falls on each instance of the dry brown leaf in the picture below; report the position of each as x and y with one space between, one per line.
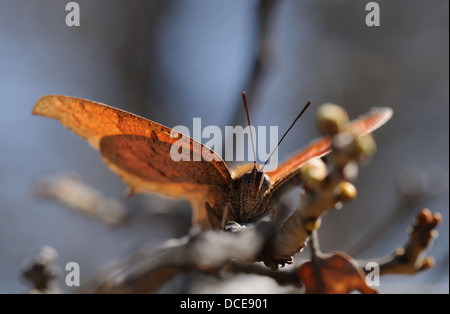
333 274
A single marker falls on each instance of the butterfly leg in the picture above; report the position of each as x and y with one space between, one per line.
226 212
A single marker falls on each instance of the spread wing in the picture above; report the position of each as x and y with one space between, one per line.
291 167
138 150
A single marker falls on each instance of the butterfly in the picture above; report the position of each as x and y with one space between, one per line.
138 151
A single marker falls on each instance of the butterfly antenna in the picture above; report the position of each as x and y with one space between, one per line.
279 142
250 127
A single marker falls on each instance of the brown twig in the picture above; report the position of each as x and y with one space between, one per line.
69 190
201 250
410 259
412 192
323 192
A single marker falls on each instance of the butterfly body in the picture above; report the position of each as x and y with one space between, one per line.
138 151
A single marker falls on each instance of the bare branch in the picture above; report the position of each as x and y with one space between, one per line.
69 190
323 192
282 277
410 259
206 251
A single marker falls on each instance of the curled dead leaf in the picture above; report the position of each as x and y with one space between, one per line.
333 274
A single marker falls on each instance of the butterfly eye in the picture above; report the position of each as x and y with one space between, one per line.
265 185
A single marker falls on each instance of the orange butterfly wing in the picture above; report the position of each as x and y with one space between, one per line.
289 169
138 150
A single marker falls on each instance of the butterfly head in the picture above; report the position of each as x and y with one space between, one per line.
250 194
254 182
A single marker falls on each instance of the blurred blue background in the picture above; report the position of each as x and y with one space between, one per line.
174 60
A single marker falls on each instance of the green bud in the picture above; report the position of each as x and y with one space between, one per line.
331 119
313 173
345 192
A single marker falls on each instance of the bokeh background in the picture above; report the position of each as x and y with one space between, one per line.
173 60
